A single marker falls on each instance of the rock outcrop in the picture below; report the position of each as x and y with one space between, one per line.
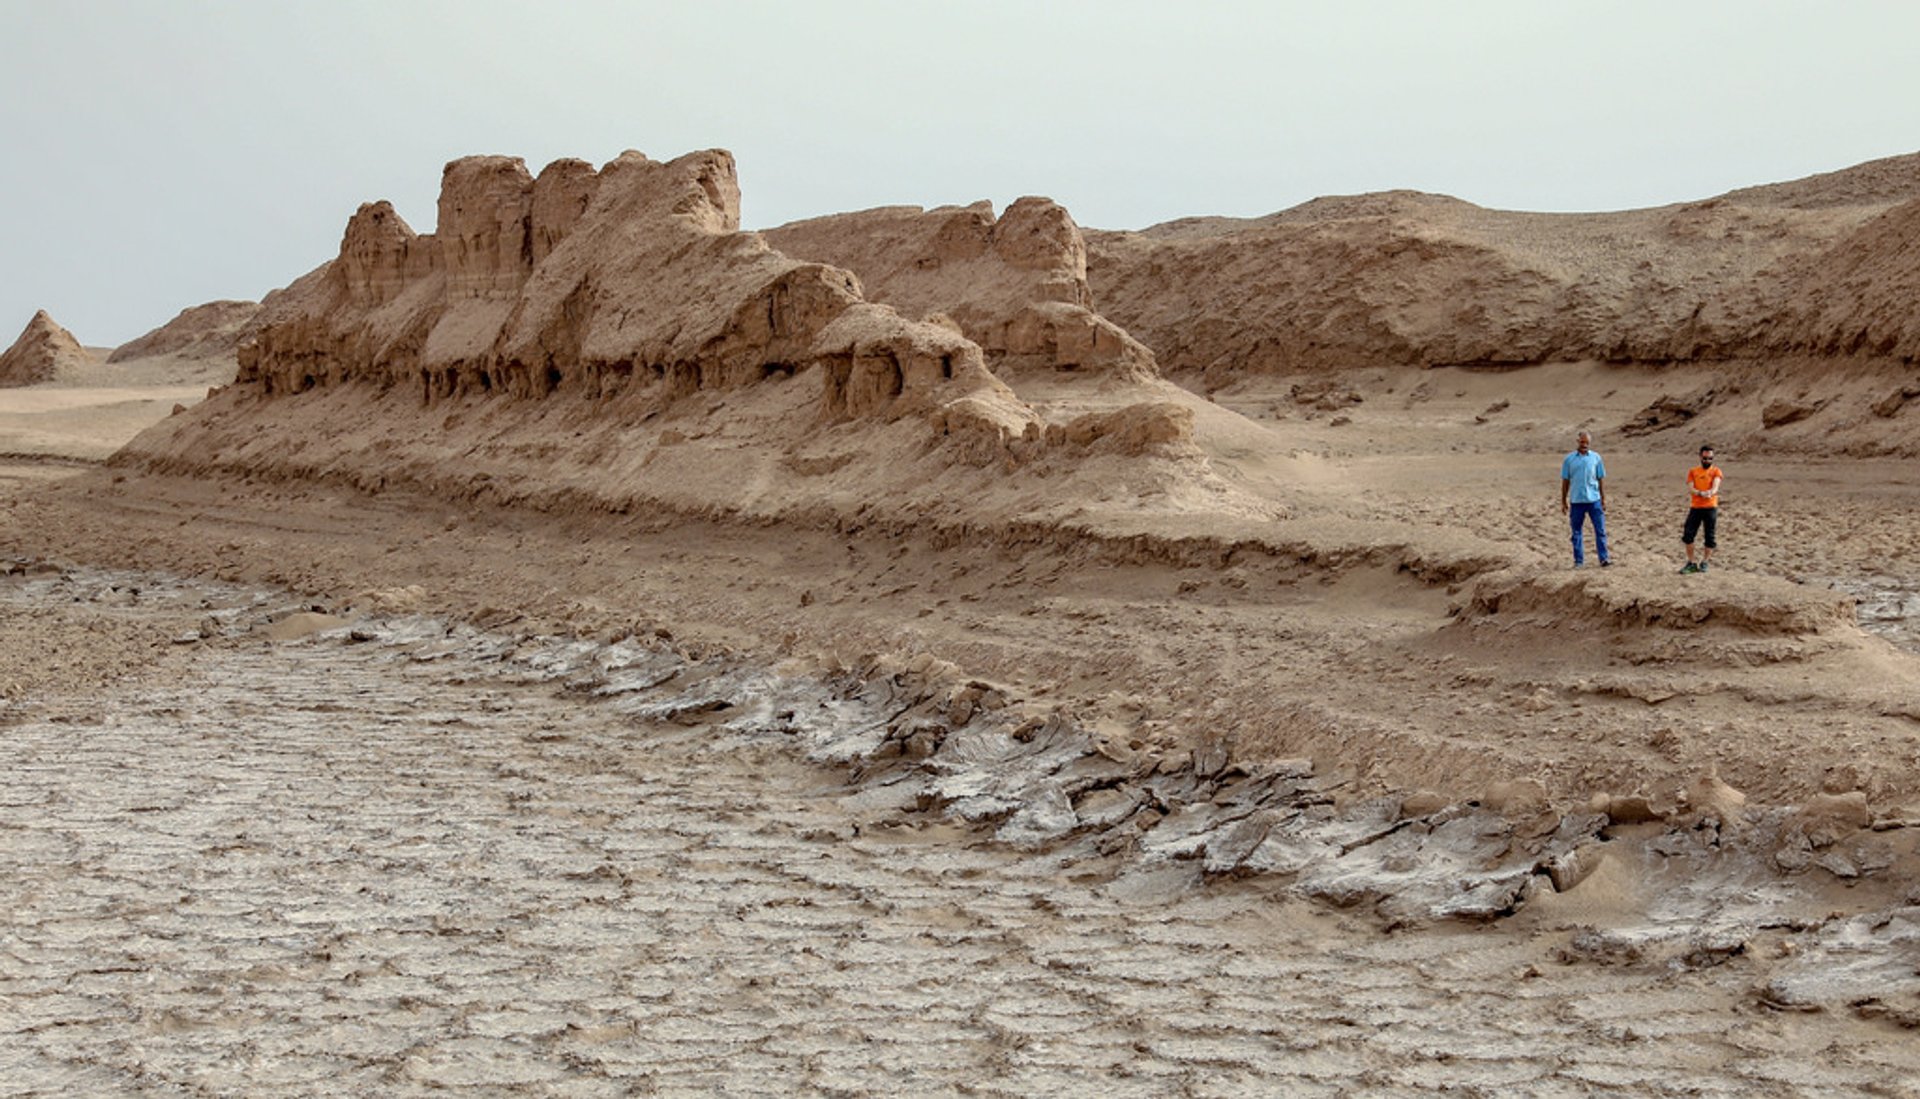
43 350
207 331
631 281
612 340
1015 285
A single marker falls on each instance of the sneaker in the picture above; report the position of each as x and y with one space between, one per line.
1607 564
1690 567
1579 564
1703 566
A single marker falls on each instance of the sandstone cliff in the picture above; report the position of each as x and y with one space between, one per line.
44 351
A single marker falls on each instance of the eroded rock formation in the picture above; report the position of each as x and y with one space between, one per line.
42 351
634 280
612 340
1016 285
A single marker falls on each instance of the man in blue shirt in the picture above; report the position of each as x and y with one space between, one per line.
1583 493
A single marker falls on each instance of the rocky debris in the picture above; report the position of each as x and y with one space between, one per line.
41 352
1627 808
207 331
1782 411
1862 964
1132 429
1016 285
1826 817
1669 411
1325 394
1711 799
1891 404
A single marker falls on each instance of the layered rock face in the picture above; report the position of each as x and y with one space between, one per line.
42 351
632 280
202 331
1016 285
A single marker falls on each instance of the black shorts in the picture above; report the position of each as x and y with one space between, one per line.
1697 518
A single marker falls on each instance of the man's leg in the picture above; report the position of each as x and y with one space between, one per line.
1577 516
1689 529
1710 520
1600 533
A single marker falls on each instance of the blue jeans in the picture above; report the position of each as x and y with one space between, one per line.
1577 515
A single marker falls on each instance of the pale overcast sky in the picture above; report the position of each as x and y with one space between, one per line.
162 154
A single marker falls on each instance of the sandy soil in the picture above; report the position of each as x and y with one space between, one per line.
86 424
1412 620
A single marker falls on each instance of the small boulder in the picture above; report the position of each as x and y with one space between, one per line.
1779 413
1710 797
1835 813
302 624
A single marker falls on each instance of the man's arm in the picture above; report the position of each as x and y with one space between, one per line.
1564 486
1602 482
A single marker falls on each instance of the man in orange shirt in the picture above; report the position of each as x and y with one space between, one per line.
1703 488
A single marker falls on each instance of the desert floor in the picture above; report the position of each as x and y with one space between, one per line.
1375 648
204 829
393 862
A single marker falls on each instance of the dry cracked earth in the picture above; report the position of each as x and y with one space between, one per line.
400 865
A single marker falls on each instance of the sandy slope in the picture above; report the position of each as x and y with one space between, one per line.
1811 267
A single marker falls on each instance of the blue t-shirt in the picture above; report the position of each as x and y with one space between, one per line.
1583 472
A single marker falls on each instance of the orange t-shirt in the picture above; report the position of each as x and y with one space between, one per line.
1700 480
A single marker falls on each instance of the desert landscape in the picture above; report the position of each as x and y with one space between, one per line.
1202 590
